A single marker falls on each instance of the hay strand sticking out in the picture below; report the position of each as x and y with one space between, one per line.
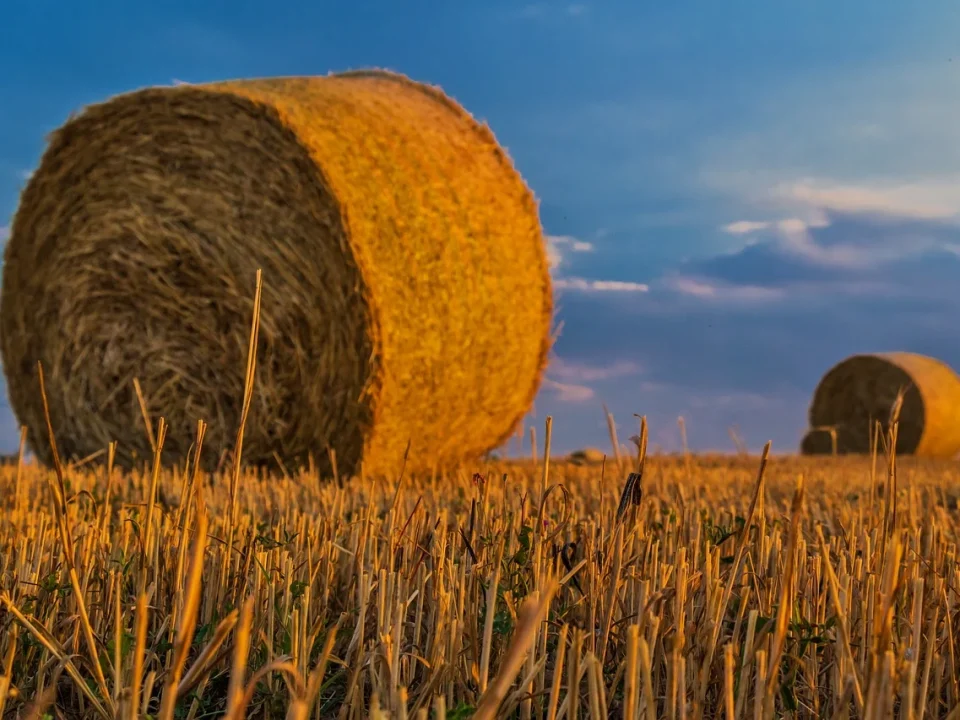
406 293
861 390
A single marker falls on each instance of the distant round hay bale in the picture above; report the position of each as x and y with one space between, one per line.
816 442
406 292
586 456
862 389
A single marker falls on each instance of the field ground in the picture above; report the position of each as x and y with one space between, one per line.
162 596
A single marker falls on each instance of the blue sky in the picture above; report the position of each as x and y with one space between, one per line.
738 194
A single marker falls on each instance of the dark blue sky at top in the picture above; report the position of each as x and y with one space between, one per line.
738 194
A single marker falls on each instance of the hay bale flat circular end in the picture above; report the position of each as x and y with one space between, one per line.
406 292
861 390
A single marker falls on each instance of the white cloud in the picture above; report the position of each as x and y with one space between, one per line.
557 245
583 285
796 239
927 199
745 227
870 140
571 386
787 225
4 234
579 372
554 256
691 286
722 292
813 200
569 392
799 242
815 219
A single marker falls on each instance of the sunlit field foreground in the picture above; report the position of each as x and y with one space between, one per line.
740 587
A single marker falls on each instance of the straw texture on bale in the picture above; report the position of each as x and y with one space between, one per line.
862 390
406 292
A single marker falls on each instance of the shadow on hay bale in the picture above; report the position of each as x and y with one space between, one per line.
862 389
406 293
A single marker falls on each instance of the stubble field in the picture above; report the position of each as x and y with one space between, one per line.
730 587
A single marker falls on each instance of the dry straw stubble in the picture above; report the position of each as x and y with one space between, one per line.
861 390
373 595
406 294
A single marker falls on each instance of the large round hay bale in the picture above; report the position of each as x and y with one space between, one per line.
406 289
862 390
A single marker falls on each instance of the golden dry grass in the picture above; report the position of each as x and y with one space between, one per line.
730 588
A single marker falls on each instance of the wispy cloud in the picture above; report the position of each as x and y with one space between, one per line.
711 290
799 242
749 227
745 227
584 373
717 398
926 199
559 250
866 142
848 259
568 392
584 285
559 245
4 234
570 382
863 240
